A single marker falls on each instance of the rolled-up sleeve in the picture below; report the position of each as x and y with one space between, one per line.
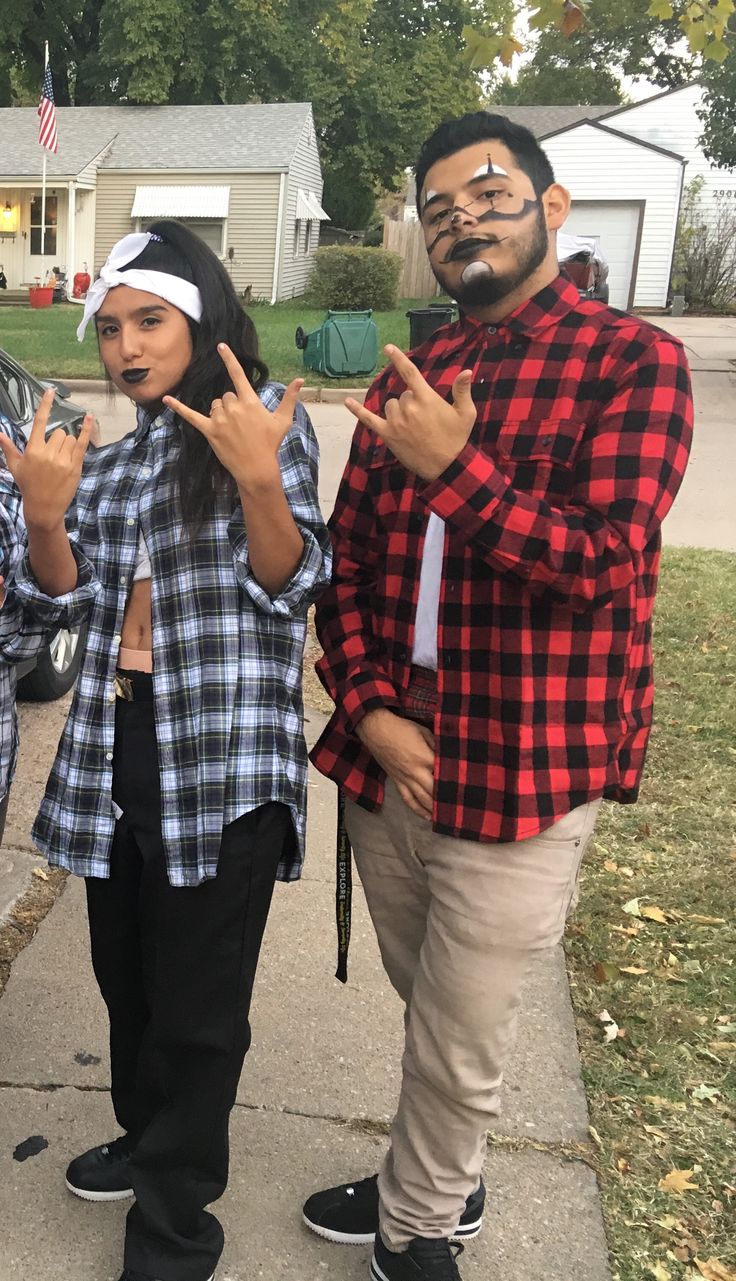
69 610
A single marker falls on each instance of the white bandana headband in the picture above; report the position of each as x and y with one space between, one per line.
180 293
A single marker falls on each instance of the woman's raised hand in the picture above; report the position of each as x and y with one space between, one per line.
242 432
48 472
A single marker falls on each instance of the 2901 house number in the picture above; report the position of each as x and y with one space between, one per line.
724 195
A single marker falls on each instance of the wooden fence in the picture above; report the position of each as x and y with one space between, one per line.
407 240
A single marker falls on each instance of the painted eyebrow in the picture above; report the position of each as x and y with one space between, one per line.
139 311
441 196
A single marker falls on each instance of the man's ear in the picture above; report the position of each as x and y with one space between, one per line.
556 201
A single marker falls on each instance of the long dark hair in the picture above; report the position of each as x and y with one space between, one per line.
180 252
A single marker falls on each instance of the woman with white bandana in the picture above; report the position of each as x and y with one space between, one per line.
195 547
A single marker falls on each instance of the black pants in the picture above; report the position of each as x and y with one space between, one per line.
176 970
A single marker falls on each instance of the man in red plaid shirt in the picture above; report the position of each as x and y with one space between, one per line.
487 644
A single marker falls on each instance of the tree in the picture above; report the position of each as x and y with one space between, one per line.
617 39
719 114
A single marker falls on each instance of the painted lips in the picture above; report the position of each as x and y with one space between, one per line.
469 247
135 375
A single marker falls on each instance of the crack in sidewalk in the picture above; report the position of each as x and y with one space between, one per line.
560 1149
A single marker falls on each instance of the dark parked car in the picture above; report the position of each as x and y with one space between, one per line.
56 668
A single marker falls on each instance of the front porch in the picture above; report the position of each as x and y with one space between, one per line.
28 254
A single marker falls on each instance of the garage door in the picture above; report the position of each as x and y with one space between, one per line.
615 225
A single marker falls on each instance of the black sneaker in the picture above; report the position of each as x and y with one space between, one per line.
423 1260
348 1214
129 1275
102 1173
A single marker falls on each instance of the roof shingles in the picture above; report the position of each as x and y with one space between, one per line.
246 136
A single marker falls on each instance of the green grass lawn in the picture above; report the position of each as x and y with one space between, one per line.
654 943
45 340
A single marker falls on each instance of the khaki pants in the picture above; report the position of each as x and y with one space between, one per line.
458 924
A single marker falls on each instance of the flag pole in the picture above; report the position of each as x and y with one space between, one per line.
43 179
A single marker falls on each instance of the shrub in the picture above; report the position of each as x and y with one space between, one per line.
704 268
350 278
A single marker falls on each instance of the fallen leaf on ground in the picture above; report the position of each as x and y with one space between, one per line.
672 1224
610 1026
659 1272
654 914
632 907
632 969
655 1130
605 972
678 1181
703 1092
610 866
707 920
657 1101
715 1271
39 872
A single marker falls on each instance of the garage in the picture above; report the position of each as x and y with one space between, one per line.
626 192
616 226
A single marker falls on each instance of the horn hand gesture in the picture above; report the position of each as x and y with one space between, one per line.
424 431
241 431
48 472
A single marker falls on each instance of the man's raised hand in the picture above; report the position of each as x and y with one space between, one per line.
424 431
242 432
48 472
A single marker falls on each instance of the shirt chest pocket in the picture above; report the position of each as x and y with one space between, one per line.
538 457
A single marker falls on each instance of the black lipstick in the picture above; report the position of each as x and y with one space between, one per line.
135 375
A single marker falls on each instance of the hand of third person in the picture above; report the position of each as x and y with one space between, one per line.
406 752
424 431
48 472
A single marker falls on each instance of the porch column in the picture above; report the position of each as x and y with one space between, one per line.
71 237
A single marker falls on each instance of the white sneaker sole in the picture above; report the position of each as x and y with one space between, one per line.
349 1238
86 1195
377 1274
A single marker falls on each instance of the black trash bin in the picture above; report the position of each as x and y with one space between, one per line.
423 321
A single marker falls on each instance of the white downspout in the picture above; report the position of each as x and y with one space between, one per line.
71 238
279 236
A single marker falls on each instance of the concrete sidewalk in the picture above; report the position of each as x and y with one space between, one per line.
317 1092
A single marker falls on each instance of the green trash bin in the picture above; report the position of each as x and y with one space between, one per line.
423 321
345 344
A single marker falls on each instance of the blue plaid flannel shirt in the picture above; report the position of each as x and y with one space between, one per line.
21 636
227 658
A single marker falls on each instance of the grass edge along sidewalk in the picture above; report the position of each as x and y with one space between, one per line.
653 944
45 340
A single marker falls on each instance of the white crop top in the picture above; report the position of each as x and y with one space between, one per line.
142 561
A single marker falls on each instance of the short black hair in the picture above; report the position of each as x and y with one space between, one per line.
484 126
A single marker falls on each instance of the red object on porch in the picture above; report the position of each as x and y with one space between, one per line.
82 282
41 295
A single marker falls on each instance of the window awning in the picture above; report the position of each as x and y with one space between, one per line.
180 202
309 208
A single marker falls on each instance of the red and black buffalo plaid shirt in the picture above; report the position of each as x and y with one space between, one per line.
553 512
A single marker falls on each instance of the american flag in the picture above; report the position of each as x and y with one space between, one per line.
47 135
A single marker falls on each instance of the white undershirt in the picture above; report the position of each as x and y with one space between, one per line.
424 653
142 561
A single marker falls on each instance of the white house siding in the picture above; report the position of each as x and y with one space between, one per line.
305 172
671 121
599 166
251 222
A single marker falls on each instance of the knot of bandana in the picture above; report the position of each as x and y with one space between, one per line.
180 293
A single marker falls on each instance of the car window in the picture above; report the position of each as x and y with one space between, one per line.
15 393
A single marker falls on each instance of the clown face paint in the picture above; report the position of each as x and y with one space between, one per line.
481 211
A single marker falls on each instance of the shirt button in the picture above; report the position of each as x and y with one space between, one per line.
146 471
123 579
492 329
116 640
130 521
108 756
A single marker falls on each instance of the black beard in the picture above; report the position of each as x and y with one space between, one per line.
489 289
